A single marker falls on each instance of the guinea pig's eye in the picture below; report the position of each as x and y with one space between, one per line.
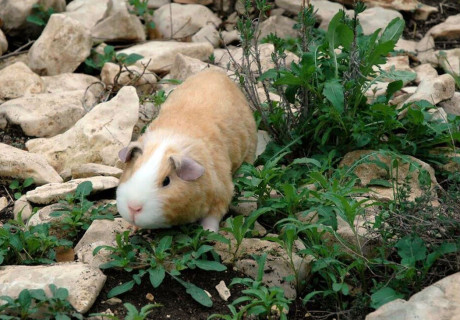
166 181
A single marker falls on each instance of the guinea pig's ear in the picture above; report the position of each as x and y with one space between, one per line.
186 168
128 152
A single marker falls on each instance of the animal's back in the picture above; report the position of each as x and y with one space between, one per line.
210 107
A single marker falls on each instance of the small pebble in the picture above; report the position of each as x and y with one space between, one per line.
3 203
149 297
224 292
113 301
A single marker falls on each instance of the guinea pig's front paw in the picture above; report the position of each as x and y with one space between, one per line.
210 223
133 229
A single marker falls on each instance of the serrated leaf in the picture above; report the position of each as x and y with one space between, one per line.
84 189
392 88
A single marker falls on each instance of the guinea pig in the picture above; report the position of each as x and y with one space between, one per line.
180 170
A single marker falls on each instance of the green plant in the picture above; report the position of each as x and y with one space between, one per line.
35 304
258 300
142 10
40 14
167 254
97 60
133 313
21 244
18 187
78 212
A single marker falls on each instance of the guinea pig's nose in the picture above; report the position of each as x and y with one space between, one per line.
134 208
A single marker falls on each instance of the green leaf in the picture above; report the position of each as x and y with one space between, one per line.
307 161
210 265
28 182
197 293
164 244
84 189
411 249
157 276
384 295
35 20
333 91
14 185
393 31
132 58
121 289
393 87
380 182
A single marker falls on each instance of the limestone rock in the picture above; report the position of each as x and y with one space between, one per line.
434 90
449 60
3 43
13 13
424 11
22 165
276 268
160 55
367 172
186 20
325 10
43 216
46 114
143 80
401 5
24 207
409 46
155 4
120 26
263 139
440 301
88 12
374 18
452 106
100 233
449 29
82 281
96 138
222 289
230 36
17 80
53 192
70 82
94 169
209 34
223 59
282 26
244 206
425 50
202 2
62 46
184 67
425 71
3 203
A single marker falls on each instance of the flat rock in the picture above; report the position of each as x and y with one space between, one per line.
409 46
374 18
71 82
88 12
63 45
186 20
209 34
155 4
282 26
13 13
449 60
100 233
263 139
230 36
24 207
96 138
452 106
120 26
276 268
94 169
366 172
223 58
160 55
82 281
424 11
434 90
17 80
3 43
21 164
440 301
46 114
425 71
402 5
142 80
53 192
449 29
184 67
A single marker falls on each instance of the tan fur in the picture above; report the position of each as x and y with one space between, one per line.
210 121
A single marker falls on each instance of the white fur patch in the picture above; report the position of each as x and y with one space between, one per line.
142 189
